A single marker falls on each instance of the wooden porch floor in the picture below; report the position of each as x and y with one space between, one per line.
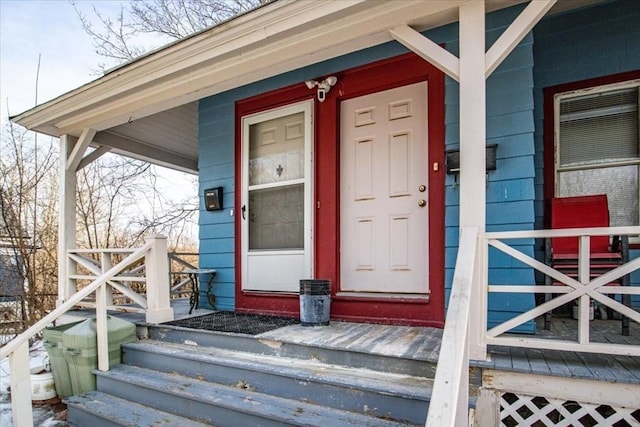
624 369
422 343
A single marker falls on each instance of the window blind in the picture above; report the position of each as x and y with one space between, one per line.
599 128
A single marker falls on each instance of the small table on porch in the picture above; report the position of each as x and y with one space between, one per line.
194 277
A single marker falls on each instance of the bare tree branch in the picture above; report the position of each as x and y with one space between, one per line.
118 39
113 40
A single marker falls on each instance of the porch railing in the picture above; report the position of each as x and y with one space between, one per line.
130 283
154 256
449 405
581 290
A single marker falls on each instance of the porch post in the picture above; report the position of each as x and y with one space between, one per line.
66 219
472 157
158 288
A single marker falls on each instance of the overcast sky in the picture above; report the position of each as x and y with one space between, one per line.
49 28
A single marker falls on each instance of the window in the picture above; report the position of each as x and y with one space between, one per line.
597 147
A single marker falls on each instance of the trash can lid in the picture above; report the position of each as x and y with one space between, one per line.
83 335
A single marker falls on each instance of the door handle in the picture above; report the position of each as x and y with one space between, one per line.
422 203
244 210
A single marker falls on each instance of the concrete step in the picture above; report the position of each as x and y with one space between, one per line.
98 409
221 405
391 396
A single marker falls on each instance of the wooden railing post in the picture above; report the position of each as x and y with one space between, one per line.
21 408
102 334
158 287
479 303
106 264
449 406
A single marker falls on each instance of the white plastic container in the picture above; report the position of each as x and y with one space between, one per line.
42 385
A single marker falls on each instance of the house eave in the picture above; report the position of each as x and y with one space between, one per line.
273 39
279 37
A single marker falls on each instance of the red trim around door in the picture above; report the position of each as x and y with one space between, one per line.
375 77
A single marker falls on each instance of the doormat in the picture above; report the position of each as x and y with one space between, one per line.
238 323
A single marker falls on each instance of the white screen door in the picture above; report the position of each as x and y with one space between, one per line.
383 192
276 199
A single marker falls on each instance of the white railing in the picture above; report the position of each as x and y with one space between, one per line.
154 253
581 290
449 405
88 264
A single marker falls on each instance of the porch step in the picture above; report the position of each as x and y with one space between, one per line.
221 405
395 396
229 379
290 346
104 410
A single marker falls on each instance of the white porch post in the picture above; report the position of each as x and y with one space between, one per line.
472 157
471 69
66 219
158 287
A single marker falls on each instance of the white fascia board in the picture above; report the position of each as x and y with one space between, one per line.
321 40
276 38
206 47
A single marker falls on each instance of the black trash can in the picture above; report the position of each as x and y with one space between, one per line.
315 302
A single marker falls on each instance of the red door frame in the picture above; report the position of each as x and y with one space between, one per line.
375 77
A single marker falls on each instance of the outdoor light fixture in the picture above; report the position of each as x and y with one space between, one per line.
323 87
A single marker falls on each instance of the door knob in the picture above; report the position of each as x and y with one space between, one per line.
422 203
422 188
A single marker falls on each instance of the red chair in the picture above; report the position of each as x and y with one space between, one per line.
583 212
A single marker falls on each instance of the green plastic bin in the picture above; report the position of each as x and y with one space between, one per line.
53 344
81 350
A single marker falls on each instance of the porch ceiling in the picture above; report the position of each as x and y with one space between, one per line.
147 109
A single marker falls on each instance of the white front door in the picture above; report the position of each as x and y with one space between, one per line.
383 192
276 199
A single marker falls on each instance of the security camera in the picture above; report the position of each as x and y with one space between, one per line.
322 94
323 87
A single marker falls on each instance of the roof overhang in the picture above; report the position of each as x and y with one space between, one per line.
279 37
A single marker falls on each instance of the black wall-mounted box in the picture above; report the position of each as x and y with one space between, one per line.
453 159
213 199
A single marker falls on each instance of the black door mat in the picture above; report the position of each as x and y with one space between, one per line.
239 323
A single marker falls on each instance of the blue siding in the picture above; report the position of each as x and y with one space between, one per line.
510 189
590 43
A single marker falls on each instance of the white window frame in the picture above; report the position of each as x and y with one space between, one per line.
558 98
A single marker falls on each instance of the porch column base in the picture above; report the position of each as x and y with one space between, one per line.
160 315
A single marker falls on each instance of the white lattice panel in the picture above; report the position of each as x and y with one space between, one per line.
524 410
